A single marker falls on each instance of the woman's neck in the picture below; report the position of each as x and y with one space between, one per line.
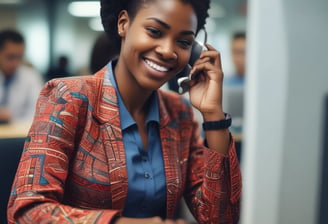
134 96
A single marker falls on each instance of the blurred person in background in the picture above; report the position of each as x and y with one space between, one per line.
238 51
60 70
19 84
102 52
233 88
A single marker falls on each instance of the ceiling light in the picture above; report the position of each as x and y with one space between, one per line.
11 2
84 9
95 24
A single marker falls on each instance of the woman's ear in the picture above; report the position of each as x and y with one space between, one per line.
123 23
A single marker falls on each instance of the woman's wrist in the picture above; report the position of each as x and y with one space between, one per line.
213 116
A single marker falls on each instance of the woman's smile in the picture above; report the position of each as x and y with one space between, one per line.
156 67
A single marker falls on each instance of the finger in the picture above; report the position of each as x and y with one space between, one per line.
208 68
214 55
210 47
202 60
181 221
211 54
156 220
168 221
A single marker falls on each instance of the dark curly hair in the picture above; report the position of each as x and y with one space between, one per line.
10 35
110 10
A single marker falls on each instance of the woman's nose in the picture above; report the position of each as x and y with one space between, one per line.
166 50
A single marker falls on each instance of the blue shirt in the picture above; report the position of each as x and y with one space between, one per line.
6 86
235 80
146 176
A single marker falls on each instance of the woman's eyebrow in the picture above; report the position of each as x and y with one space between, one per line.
167 26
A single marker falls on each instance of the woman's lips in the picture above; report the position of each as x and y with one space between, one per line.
156 67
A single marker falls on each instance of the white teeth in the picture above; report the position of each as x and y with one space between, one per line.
156 66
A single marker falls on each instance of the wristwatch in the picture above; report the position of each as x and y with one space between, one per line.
218 125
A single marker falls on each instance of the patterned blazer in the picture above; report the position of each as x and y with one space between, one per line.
73 168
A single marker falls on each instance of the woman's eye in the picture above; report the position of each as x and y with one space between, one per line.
154 32
185 43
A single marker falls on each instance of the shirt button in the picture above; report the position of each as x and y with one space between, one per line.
147 175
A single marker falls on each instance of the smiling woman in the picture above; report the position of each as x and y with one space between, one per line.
113 148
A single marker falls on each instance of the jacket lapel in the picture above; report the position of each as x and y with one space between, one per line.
106 112
173 174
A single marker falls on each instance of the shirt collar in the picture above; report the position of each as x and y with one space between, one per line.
125 117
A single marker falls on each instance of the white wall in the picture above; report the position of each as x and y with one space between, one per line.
73 38
32 22
265 106
7 17
286 82
308 84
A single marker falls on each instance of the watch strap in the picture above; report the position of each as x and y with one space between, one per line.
218 125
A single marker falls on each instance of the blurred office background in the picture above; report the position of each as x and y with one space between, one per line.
285 130
51 29
55 28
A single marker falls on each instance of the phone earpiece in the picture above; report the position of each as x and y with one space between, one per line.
183 84
196 50
183 77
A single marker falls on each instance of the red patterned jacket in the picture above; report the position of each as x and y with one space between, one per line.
73 167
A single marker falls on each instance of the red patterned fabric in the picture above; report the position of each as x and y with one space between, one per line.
73 167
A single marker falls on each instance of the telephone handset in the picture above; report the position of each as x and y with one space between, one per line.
183 77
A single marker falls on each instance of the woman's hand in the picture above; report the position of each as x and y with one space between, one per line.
153 220
206 89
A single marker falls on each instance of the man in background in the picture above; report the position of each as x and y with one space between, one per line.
60 70
19 84
233 88
238 51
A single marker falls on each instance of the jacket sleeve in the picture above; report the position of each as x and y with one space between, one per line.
38 188
213 187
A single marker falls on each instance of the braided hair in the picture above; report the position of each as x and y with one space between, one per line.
110 10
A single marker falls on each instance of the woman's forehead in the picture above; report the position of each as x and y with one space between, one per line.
172 12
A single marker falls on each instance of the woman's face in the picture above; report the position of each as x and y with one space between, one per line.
156 44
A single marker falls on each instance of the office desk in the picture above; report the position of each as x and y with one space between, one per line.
14 130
